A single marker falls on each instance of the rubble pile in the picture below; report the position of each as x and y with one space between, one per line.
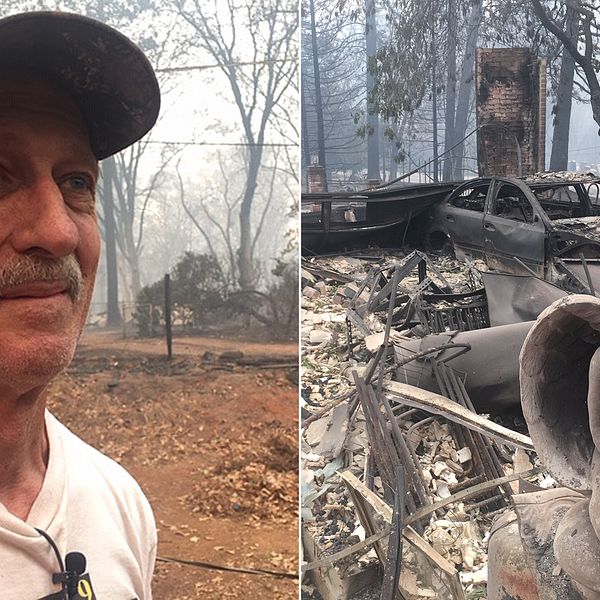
391 441
256 482
563 176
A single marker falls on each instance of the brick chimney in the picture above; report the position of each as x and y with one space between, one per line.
511 106
317 179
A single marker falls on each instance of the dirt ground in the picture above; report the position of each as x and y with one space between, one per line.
212 443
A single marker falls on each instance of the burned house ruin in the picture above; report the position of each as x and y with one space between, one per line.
416 459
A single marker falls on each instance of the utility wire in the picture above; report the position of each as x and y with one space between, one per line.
384 185
207 565
224 65
582 149
246 144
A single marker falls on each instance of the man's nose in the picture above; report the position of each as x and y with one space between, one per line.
44 223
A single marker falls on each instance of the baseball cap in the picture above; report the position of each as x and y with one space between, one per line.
107 75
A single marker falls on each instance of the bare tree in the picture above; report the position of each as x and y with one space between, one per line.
168 231
340 46
589 35
564 98
372 117
109 235
132 197
449 133
262 33
216 213
213 209
318 95
465 91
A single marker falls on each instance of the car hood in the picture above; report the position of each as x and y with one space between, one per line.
587 227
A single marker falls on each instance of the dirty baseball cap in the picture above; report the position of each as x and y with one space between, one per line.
107 75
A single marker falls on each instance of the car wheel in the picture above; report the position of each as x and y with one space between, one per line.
439 242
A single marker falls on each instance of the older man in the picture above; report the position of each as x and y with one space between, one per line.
73 524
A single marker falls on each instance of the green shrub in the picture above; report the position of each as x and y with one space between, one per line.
197 288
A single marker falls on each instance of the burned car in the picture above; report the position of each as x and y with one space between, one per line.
544 226
338 219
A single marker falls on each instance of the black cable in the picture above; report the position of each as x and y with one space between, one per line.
58 557
54 547
207 565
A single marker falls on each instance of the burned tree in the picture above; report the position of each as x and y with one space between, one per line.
564 98
340 48
263 35
589 30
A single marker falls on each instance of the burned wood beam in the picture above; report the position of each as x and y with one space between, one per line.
393 564
326 273
361 495
388 328
359 489
385 511
377 504
481 447
329 561
357 495
434 403
380 438
468 493
438 560
407 457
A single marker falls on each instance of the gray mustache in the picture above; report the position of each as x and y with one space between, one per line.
25 269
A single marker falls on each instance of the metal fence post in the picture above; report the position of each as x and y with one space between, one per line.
168 327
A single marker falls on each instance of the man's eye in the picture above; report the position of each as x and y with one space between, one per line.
79 183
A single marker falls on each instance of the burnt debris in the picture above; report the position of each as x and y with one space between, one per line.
392 438
406 355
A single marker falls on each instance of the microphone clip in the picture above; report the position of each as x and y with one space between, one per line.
69 577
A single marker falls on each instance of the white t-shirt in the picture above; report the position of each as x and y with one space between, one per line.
89 504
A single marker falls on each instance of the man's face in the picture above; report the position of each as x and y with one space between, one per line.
49 240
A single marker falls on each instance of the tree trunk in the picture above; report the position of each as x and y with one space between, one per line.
564 98
434 110
112 276
382 149
136 278
393 162
131 255
247 275
372 118
449 137
467 84
318 98
585 60
304 133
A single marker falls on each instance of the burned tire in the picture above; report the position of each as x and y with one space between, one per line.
439 242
